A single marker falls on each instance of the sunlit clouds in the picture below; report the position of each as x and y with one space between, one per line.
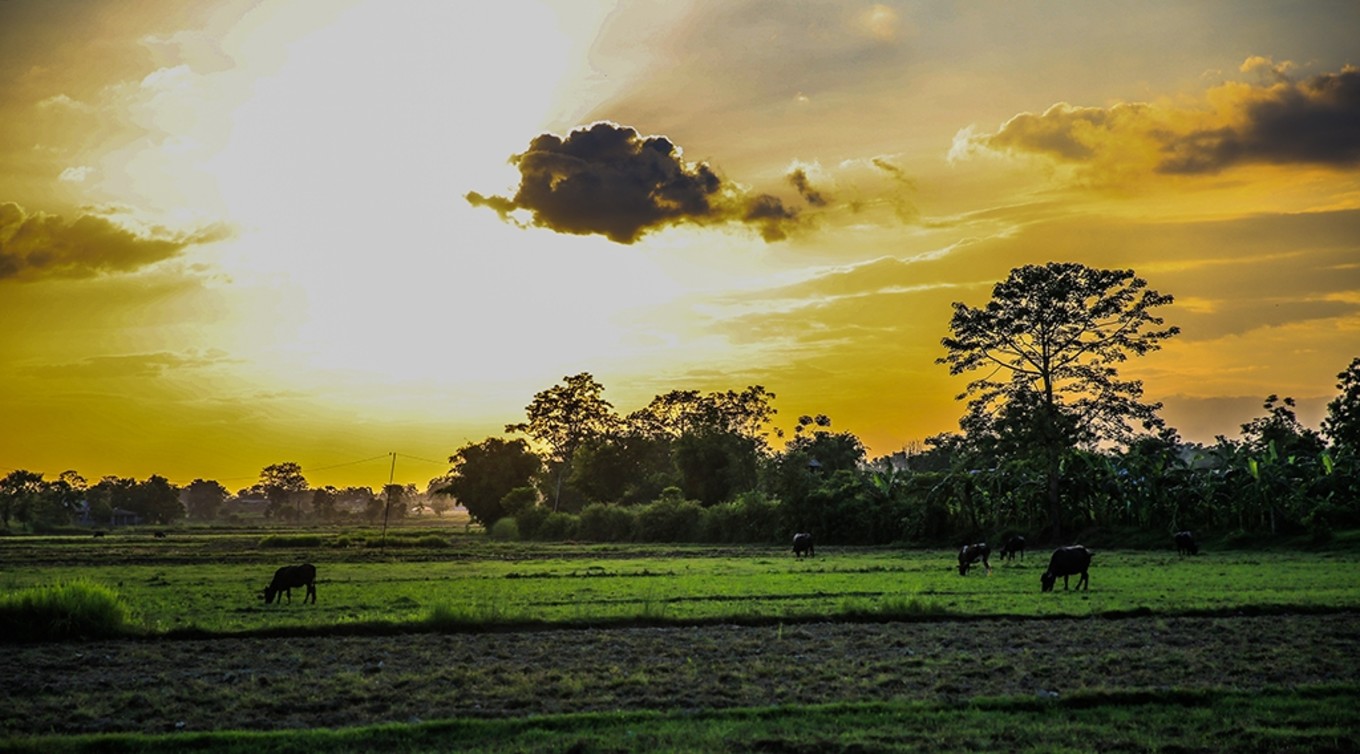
1313 121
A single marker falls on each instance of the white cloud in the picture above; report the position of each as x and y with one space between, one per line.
76 174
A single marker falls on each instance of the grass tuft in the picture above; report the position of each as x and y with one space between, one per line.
71 610
291 540
897 607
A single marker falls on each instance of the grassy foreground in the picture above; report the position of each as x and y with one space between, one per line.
1315 720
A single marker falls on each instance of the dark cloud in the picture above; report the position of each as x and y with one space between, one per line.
608 180
34 246
1279 121
1316 121
769 214
900 199
812 196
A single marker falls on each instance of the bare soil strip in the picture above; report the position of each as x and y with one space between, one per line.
268 684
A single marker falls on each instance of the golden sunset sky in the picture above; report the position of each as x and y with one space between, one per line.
243 232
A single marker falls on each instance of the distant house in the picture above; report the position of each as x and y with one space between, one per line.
243 507
123 517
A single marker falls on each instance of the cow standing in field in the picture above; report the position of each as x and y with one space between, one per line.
288 577
802 543
1013 545
1067 561
971 554
1185 543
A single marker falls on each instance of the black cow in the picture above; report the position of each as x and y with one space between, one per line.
802 543
1185 543
971 554
1067 561
288 577
1013 545
98 534
158 534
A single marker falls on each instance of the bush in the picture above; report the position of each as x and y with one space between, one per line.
558 527
751 518
504 530
530 520
669 519
73 610
602 522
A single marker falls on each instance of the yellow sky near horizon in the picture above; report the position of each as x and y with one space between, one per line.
240 232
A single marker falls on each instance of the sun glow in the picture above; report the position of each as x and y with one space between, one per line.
341 160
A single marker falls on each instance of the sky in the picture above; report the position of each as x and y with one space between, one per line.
242 232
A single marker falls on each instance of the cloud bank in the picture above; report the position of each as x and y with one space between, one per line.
1278 121
608 180
38 245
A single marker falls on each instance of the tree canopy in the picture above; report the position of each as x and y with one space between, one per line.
484 473
1048 345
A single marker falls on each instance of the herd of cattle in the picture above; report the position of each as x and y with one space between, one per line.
1073 560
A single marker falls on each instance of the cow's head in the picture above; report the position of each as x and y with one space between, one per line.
1047 580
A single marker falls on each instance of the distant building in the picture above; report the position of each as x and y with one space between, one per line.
123 517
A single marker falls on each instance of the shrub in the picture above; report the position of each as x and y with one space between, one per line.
752 517
669 519
72 610
720 524
602 522
504 530
558 527
530 520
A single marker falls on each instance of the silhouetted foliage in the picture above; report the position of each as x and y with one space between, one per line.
1049 342
484 473
203 498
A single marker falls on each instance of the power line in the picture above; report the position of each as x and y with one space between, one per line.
314 469
426 460
346 463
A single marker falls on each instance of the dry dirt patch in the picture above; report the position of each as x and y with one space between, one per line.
260 684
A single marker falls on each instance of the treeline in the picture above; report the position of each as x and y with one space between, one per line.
1052 441
282 494
694 467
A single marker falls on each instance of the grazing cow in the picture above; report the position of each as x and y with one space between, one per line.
98 534
1185 543
1013 545
158 534
288 577
971 554
1067 561
802 543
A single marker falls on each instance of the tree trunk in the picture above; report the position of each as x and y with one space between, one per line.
1054 497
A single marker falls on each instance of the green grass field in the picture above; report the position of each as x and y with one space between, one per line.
171 589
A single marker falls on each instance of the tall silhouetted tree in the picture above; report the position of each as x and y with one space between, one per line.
484 473
203 497
1048 344
565 416
157 500
282 483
